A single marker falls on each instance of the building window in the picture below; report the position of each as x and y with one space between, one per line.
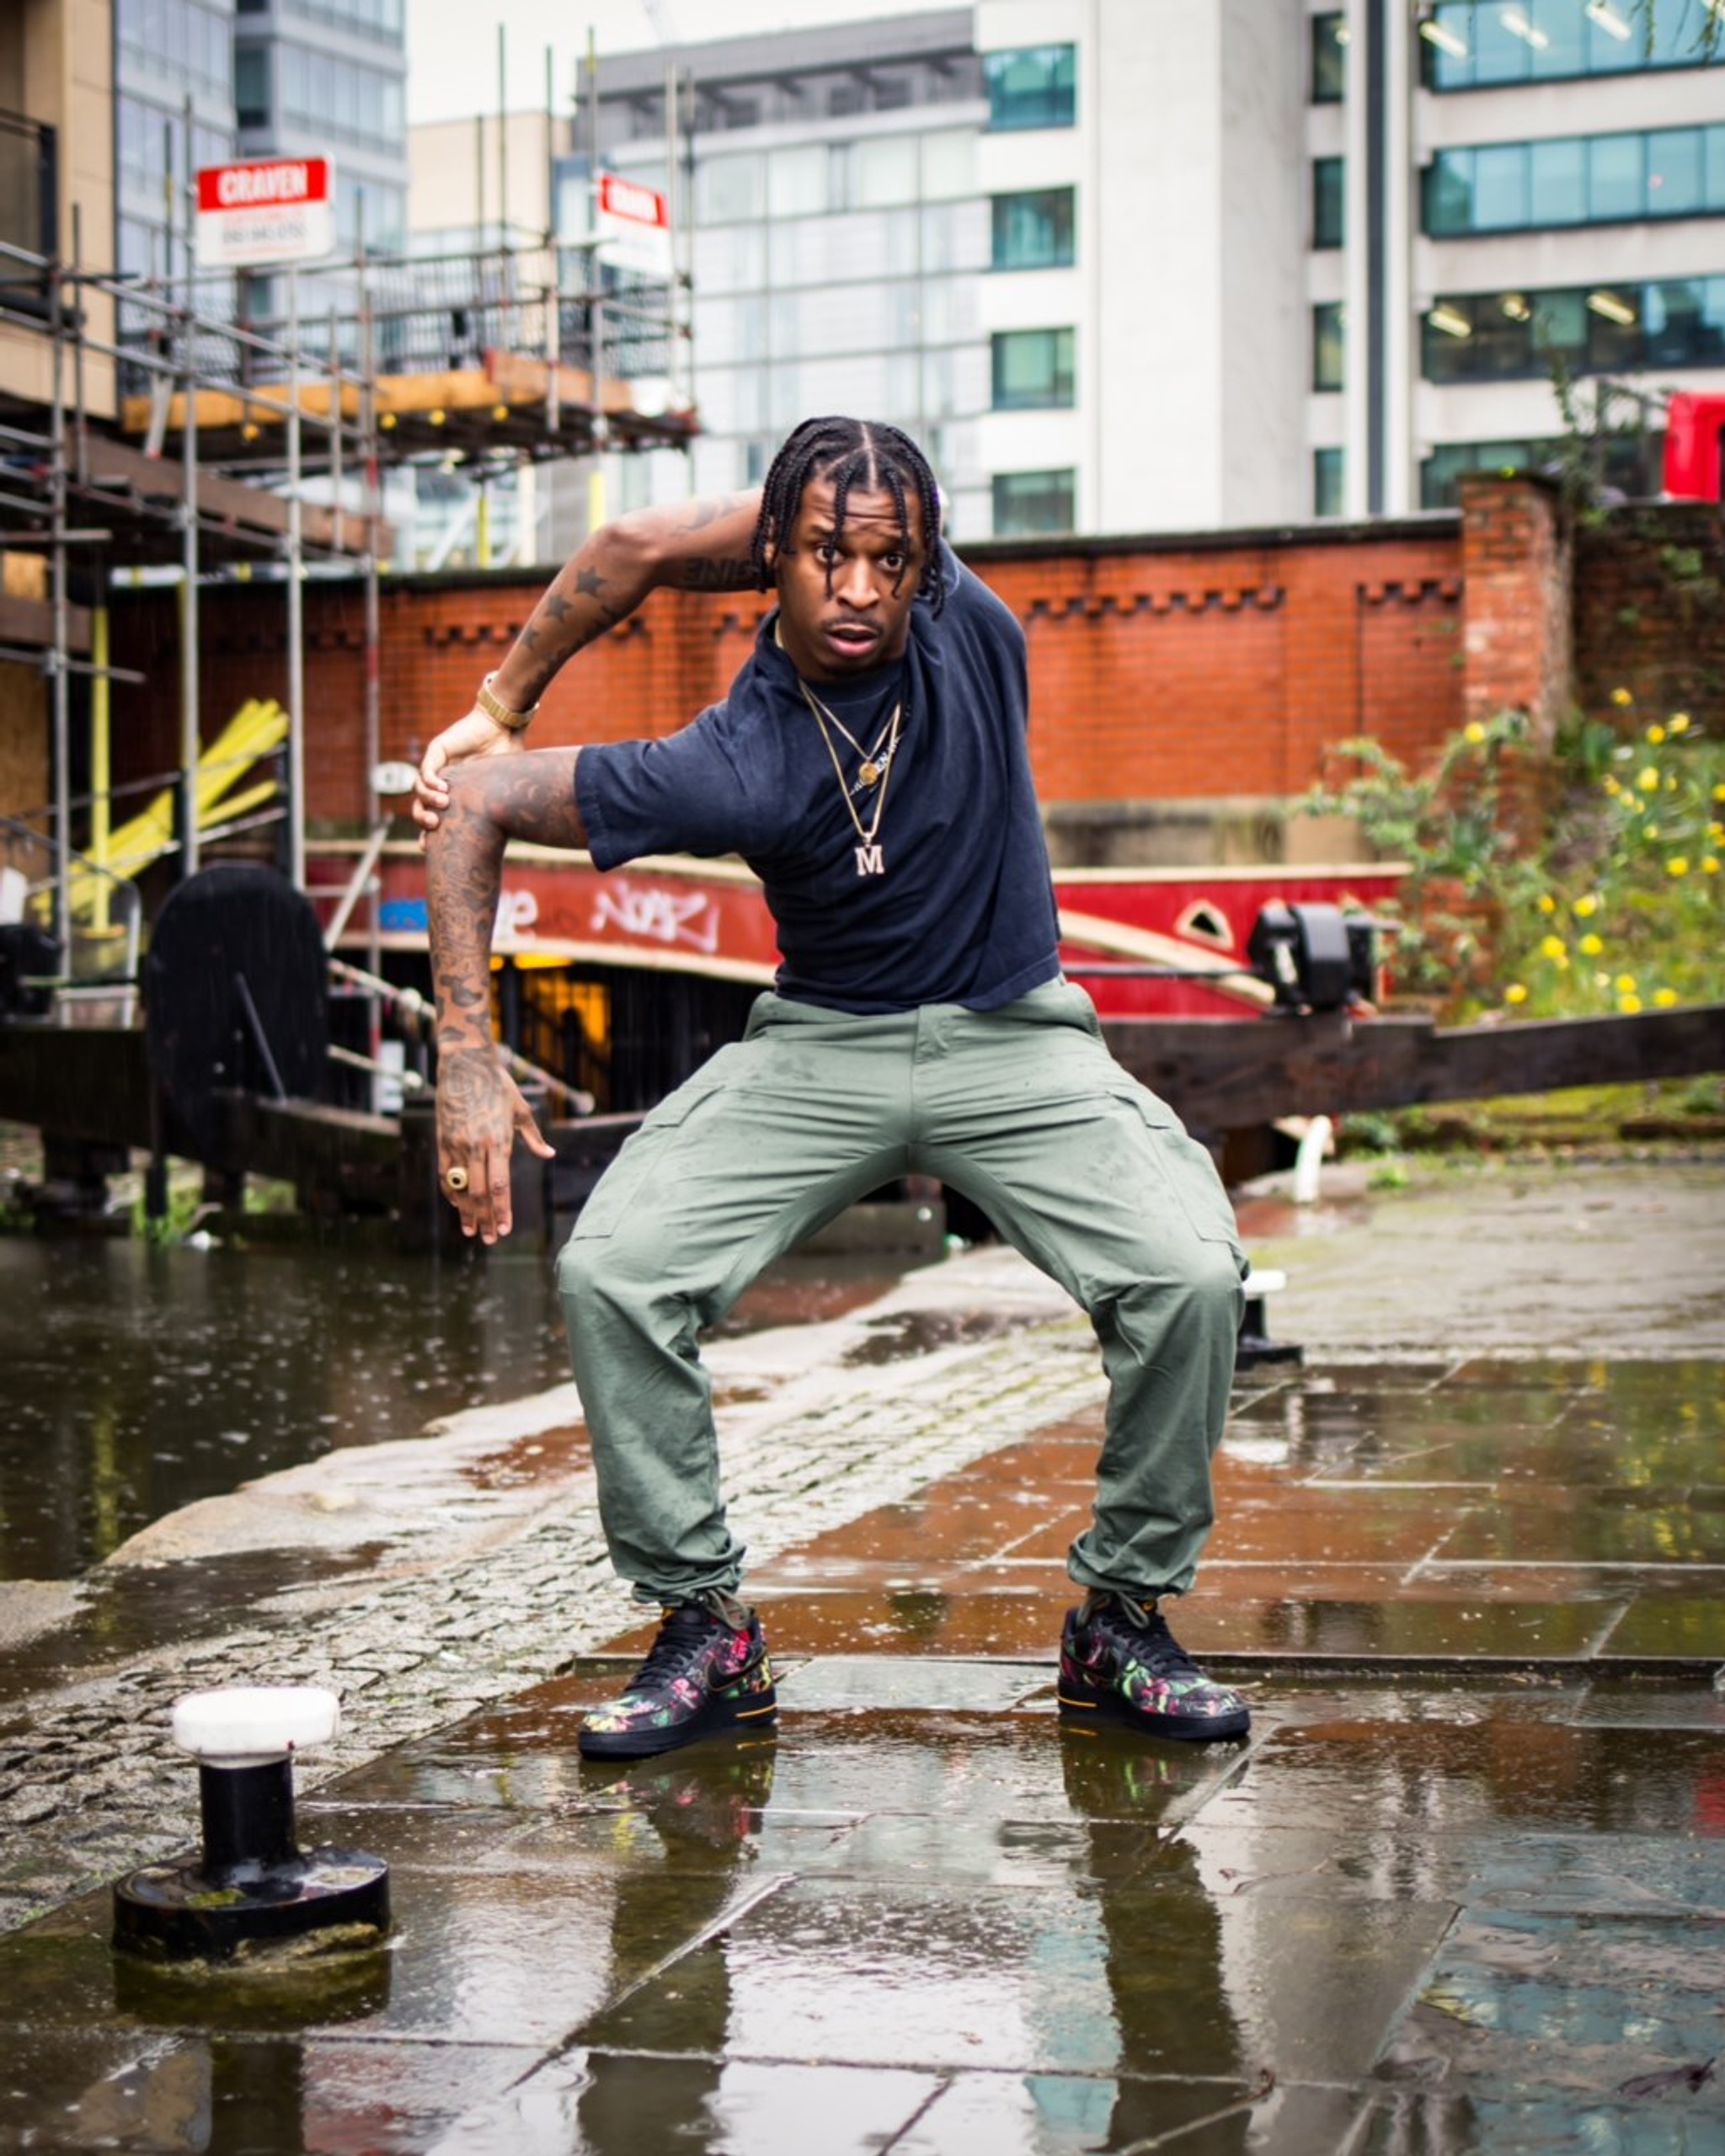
1326 497
1033 368
1034 88
1035 231
1579 180
1329 53
1034 505
251 85
1328 344
1587 329
1326 201
1466 46
1630 463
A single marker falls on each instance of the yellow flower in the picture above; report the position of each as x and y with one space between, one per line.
1621 698
1647 779
1515 993
1554 947
1547 903
1629 1005
1610 784
1710 865
1474 732
1625 984
1678 865
1715 832
1656 734
1719 793
1679 721
1586 906
1602 980
1664 997
1590 946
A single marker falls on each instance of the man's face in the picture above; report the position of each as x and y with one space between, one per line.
844 596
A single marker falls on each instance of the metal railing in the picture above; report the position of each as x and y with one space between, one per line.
423 314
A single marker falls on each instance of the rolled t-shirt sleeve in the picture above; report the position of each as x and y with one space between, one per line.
680 795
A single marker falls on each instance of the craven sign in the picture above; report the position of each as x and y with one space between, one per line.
633 225
268 210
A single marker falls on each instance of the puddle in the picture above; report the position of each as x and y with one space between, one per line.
919 1332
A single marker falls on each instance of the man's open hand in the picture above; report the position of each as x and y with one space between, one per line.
480 1114
475 736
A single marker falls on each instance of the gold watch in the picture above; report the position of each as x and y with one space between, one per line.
512 722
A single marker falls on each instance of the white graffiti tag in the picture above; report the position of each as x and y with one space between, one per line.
517 913
660 916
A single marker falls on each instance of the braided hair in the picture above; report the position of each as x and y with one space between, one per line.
853 454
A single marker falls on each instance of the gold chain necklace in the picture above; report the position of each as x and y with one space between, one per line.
875 769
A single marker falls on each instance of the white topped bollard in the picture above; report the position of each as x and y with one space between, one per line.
251 1884
1255 1345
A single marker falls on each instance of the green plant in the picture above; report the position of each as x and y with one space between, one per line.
1616 908
1625 914
1451 826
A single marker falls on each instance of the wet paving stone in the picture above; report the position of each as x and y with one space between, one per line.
1580 2004
1463 2125
1531 1872
891 1974
608 2103
1059 2115
1434 1777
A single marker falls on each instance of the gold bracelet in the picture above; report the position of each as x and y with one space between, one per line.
512 722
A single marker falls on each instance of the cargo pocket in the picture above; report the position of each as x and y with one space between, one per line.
618 1188
1187 1171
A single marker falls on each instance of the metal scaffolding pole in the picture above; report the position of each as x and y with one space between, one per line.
59 677
374 514
296 604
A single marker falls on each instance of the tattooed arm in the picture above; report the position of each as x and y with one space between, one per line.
699 545
480 1110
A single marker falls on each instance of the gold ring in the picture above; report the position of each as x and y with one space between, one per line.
456 1178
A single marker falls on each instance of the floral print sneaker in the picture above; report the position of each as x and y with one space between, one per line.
706 1673
1120 1662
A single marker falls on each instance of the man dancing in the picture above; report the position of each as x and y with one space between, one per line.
869 763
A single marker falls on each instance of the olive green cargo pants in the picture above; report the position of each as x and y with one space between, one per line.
1022 1109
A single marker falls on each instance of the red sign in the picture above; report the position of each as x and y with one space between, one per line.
627 198
633 225
266 210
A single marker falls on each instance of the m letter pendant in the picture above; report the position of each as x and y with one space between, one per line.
871 861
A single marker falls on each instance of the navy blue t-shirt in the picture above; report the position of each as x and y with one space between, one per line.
962 908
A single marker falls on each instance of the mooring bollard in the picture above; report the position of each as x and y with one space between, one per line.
252 1886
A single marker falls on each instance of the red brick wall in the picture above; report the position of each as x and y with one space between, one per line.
1650 612
1515 563
1160 672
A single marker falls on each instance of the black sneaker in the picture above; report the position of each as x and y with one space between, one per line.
1120 1662
707 1671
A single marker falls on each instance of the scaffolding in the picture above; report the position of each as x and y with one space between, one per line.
253 440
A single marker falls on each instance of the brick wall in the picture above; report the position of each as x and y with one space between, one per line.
1650 612
1516 566
1161 673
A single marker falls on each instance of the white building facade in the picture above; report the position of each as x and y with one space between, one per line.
1162 265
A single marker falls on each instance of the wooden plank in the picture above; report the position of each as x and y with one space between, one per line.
31 622
1237 1074
253 510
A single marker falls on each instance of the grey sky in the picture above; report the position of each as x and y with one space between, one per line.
452 43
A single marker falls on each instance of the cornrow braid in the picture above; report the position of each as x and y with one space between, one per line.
853 454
